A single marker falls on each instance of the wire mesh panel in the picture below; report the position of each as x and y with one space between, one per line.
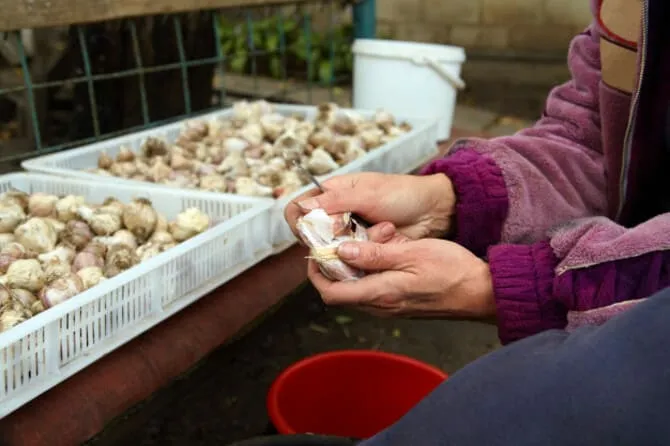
71 86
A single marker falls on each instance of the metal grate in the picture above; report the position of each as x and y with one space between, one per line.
127 75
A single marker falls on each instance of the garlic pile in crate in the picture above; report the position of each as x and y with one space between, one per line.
323 234
53 248
247 153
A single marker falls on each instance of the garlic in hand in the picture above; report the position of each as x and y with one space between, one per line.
323 233
61 290
26 274
140 218
90 276
188 224
36 235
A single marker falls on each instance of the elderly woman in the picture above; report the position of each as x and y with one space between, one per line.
564 223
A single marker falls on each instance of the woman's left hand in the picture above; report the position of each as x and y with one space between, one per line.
422 278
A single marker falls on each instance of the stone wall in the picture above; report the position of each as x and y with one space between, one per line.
498 26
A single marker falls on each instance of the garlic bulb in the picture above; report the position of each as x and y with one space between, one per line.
5 295
55 269
66 208
321 163
96 247
213 183
149 250
62 253
323 233
90 276
11 315
6 239
162 238
27 274
188 224
16 198
119 258
77 233
6 260
86 260
249 187
36 235
25 297
58 225
112 206
61 290
161 223
42 205
101 222
140 218
125 155
235 144
11 215
14 249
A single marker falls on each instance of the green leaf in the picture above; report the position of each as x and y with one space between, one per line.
272 42
275 67
238 62
325 74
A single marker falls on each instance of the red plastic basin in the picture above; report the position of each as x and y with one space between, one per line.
349 393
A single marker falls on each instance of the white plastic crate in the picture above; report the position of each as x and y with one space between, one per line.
48 348
401 155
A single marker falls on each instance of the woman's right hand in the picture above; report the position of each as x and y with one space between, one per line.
418 206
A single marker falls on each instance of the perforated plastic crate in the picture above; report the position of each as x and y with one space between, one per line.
48 348
401 155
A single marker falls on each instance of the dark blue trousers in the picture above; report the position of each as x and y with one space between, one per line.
607 385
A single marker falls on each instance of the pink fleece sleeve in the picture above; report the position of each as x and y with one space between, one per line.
588 266
551 172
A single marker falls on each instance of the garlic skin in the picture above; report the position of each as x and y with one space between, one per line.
140 218
42 205
161 223
26 274
162 238
25 297
121 237
97 248
61 290
113 206
5 295
101 222
189 223
86 260
77 233
36 235
55 269
11 215
323 233
91 276
12 314
66 208
119 258
149 250
58 225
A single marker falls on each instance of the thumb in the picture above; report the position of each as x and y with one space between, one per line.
372 256
336 201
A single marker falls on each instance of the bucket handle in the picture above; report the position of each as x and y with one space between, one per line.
453 79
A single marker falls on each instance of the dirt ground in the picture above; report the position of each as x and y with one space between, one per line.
222 399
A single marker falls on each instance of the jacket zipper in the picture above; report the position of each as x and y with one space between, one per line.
628 139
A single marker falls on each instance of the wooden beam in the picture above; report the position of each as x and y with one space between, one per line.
20 14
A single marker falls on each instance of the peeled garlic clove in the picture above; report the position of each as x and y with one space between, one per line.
189 223
77 233
61 290
26 274
62 253
91 276
66 208
42 205
119 258
11 215
140 218
321 163
86 260
55 269
36 235
323 233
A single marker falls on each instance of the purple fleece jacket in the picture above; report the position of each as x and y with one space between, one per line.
544 205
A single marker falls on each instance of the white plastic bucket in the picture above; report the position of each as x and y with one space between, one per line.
407 78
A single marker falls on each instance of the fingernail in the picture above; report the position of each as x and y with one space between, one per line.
348 251
388 230
308 204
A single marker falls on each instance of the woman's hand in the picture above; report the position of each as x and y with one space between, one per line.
423 278
419 206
